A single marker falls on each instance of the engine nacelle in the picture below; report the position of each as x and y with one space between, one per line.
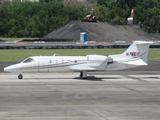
99 61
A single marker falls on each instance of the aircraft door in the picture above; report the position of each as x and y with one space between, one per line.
49 65
43 65
87 57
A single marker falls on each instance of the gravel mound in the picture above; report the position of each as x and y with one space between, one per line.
101 31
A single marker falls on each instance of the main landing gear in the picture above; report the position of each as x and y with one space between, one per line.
83 74
20 76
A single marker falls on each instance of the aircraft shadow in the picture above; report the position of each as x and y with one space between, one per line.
89 78
93 78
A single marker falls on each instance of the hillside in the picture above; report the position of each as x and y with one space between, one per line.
102 31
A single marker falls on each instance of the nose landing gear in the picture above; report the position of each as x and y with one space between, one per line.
20 76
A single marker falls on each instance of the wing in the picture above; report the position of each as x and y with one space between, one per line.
89 68
107 61
82 68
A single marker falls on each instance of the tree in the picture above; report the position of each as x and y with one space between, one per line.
131 3
103 2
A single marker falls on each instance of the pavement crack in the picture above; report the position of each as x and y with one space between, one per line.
100 115
135 78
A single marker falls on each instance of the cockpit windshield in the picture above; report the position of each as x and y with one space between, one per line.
28 60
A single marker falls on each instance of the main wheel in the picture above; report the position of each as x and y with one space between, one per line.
81 74
20 76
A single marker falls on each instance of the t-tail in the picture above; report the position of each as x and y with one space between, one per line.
136 54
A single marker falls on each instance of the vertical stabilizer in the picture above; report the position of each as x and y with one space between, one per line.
138 50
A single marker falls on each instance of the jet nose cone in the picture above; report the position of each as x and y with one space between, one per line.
6 69
12 68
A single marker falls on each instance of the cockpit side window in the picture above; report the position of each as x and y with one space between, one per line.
28 60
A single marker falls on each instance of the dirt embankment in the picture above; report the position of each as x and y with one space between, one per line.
102 31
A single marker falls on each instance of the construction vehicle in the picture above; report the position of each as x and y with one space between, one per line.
93 18
89 18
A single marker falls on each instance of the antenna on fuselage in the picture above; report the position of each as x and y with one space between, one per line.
55 54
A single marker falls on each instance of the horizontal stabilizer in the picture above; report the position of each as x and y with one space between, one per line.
138 62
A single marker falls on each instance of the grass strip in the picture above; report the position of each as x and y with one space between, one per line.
12 39
19 55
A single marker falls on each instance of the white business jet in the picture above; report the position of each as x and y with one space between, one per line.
134 56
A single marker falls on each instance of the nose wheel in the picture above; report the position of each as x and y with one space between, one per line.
20 76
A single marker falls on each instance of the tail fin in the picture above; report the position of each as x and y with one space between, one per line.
139 49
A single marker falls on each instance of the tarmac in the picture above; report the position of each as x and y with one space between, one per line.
64 96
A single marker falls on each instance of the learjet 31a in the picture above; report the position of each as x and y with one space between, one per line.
134 56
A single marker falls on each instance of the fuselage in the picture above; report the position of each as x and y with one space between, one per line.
55 63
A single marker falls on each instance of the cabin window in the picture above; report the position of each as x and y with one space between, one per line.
56 61
28 60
